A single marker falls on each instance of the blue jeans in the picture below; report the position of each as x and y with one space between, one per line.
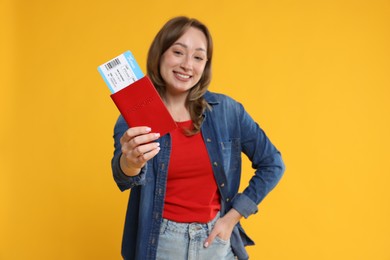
184 241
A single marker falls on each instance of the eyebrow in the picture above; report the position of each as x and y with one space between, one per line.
185 46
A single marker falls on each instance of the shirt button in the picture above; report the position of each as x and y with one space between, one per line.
208 140
222 184
227 200
215 164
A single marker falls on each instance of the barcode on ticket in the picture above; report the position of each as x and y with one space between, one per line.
120 72
112 64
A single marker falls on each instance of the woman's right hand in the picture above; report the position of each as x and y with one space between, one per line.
137 148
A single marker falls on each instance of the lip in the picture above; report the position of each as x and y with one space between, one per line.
182 76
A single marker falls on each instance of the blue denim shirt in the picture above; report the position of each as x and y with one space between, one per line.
227 130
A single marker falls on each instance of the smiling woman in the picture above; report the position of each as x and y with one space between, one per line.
167 38
165 219
181 68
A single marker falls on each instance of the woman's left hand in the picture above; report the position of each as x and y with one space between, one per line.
223 228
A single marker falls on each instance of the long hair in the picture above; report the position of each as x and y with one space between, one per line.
164 39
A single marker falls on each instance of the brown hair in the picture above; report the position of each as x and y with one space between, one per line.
164 39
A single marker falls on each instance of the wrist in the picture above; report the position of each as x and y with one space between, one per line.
126 169
233 216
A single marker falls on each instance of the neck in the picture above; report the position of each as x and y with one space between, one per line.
176 106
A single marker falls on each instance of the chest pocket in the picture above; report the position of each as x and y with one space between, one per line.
231 153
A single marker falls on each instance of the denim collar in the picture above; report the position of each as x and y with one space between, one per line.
211 98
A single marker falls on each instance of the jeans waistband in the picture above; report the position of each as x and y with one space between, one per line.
185 227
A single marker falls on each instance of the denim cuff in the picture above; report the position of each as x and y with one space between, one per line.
123 181
244 205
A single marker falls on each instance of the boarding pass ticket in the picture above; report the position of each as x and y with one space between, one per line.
120 72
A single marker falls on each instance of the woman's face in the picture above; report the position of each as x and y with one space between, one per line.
183 63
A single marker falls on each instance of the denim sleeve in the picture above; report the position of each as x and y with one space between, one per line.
123 181
266 160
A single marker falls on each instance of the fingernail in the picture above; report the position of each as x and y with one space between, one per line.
206 244
148 129
157 134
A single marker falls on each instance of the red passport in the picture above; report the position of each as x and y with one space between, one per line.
141 105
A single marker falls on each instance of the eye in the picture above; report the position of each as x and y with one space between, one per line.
178 53
199 58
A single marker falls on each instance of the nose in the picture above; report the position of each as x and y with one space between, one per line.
186 63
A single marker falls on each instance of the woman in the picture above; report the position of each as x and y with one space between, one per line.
184 201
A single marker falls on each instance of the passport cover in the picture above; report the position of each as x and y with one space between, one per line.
141 105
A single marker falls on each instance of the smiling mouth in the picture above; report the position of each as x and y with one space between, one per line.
183 76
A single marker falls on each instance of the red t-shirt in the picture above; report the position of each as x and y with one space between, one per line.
192 194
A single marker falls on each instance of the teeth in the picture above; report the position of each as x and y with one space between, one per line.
183 76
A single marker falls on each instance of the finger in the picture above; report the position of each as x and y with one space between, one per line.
146 148
135 131
140 155
143 139
149 155
210 239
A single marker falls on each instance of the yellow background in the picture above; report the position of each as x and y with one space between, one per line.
314 74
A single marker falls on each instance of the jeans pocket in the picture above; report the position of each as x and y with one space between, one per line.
221 241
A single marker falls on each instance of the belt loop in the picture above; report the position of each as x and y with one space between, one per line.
164 226
211 224
209 227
